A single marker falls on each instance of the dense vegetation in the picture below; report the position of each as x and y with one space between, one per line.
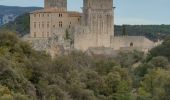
30 75
152 32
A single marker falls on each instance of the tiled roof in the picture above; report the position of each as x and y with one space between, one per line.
57 10
74 14
50 10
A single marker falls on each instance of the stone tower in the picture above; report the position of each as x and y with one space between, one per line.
98 15
55 3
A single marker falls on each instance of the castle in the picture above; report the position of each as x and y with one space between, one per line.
54 28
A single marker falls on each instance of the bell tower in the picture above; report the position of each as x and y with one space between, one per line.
98 15
55 3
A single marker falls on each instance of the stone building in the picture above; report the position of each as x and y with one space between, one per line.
53 22
45 22
56 4
93 28
139 43
97 25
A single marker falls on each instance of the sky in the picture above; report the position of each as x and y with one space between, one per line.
126 12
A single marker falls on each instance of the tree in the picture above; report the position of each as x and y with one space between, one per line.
162 50
152 86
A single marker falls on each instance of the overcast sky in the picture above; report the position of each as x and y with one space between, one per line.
126 12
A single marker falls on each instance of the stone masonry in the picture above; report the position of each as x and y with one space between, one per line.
54 29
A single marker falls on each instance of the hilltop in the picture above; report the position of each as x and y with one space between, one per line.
16 9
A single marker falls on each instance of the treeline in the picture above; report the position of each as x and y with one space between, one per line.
153 32
27 74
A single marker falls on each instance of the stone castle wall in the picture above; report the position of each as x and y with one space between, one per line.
99 22
94 29
83 39
55 3
134 42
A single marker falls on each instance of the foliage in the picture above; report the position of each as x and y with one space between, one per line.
153 32
27 74
162 50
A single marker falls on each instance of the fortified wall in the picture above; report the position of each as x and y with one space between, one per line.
140 43
54 29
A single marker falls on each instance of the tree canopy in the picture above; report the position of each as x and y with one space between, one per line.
27 74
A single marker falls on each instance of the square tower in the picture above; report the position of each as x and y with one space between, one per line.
55 3
98 15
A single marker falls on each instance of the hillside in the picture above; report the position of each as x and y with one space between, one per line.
15 9
9 13
21 25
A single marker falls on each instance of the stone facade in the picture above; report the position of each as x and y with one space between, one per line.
131 42
53 23
53 29
56 4
98 22
45 22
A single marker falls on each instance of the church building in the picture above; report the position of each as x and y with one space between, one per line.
54 27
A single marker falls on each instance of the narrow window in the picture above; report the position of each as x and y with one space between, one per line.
34 34
39 25
60 15
48 24
34 24
42 34
60 24
47 34
131 44
48 15
42 24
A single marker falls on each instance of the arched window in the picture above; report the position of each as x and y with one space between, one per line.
131 44
60 15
